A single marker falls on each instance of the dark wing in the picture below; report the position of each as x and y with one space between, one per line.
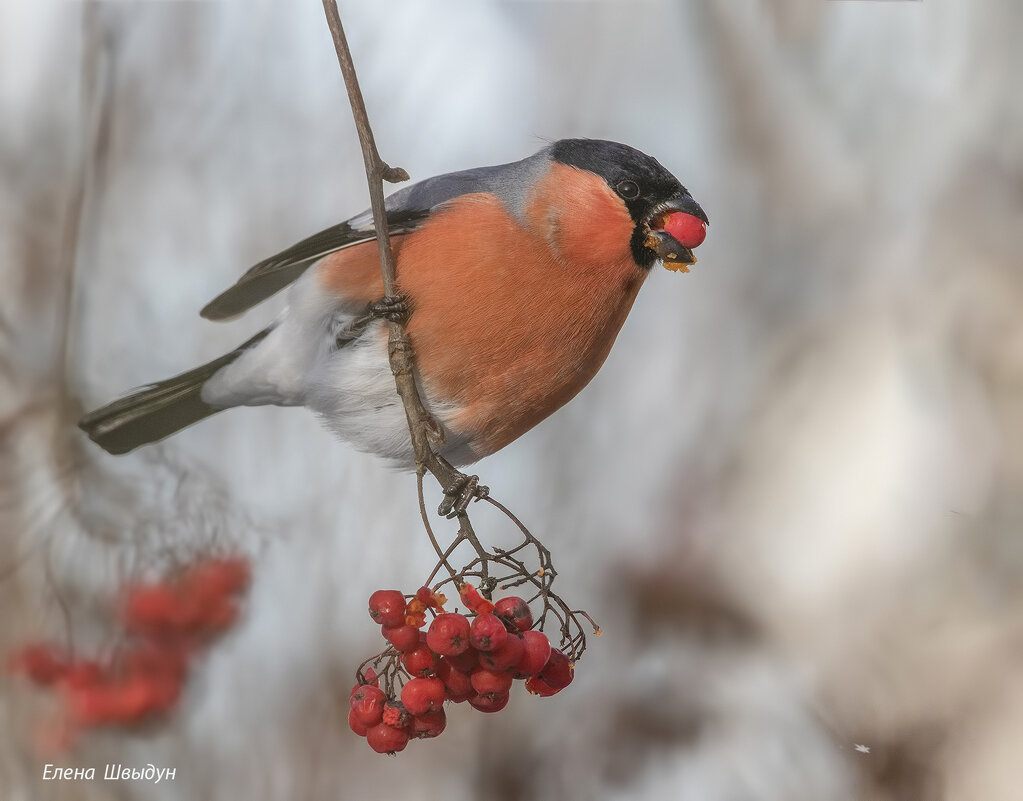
272 275
406 209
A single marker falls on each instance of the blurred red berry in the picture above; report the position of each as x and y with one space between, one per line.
403 637
489 703
504 657
487 632
83 673
133 698
387 607
448 634
161 666
355 724
421 695
516 610
155 609
164 692
386 739
40 663
156 659
90 705
215 615
198 615
486 683
125 700
429 724
213 579
367 703
536 650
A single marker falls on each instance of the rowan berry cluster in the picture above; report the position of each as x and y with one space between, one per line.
472 657
162 626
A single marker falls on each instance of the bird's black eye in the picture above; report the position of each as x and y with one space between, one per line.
628 189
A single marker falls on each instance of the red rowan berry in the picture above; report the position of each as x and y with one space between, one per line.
448 634
558 672
489 703
465 661
458 698
487 632
429 724
420 661
355 724
538 686
367 703
690 231
456 683
506 656
421 695
486 683
536 650
387 607
403 637
516 610
386 739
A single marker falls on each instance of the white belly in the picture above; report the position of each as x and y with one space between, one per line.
353 391
351 388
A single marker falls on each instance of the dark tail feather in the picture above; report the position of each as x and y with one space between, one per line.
159 410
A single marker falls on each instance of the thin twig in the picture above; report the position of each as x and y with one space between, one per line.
424 430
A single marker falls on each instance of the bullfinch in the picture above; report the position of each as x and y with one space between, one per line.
514 280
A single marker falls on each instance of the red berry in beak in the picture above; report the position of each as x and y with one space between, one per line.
687 230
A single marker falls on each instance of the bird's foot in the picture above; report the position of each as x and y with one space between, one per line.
393 308
460 493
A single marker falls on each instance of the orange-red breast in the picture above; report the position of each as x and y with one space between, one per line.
518 278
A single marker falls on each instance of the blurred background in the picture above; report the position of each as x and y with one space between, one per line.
793 496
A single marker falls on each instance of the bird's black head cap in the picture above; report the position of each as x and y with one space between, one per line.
642 183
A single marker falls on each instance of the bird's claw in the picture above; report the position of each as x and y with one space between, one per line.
460 493
393 308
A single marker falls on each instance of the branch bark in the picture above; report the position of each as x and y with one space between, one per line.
423 429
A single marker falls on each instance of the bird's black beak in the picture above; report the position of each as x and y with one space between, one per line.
674 254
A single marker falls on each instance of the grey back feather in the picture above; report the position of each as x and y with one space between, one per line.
406 209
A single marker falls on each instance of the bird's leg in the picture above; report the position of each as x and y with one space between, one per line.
393 308
459 491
